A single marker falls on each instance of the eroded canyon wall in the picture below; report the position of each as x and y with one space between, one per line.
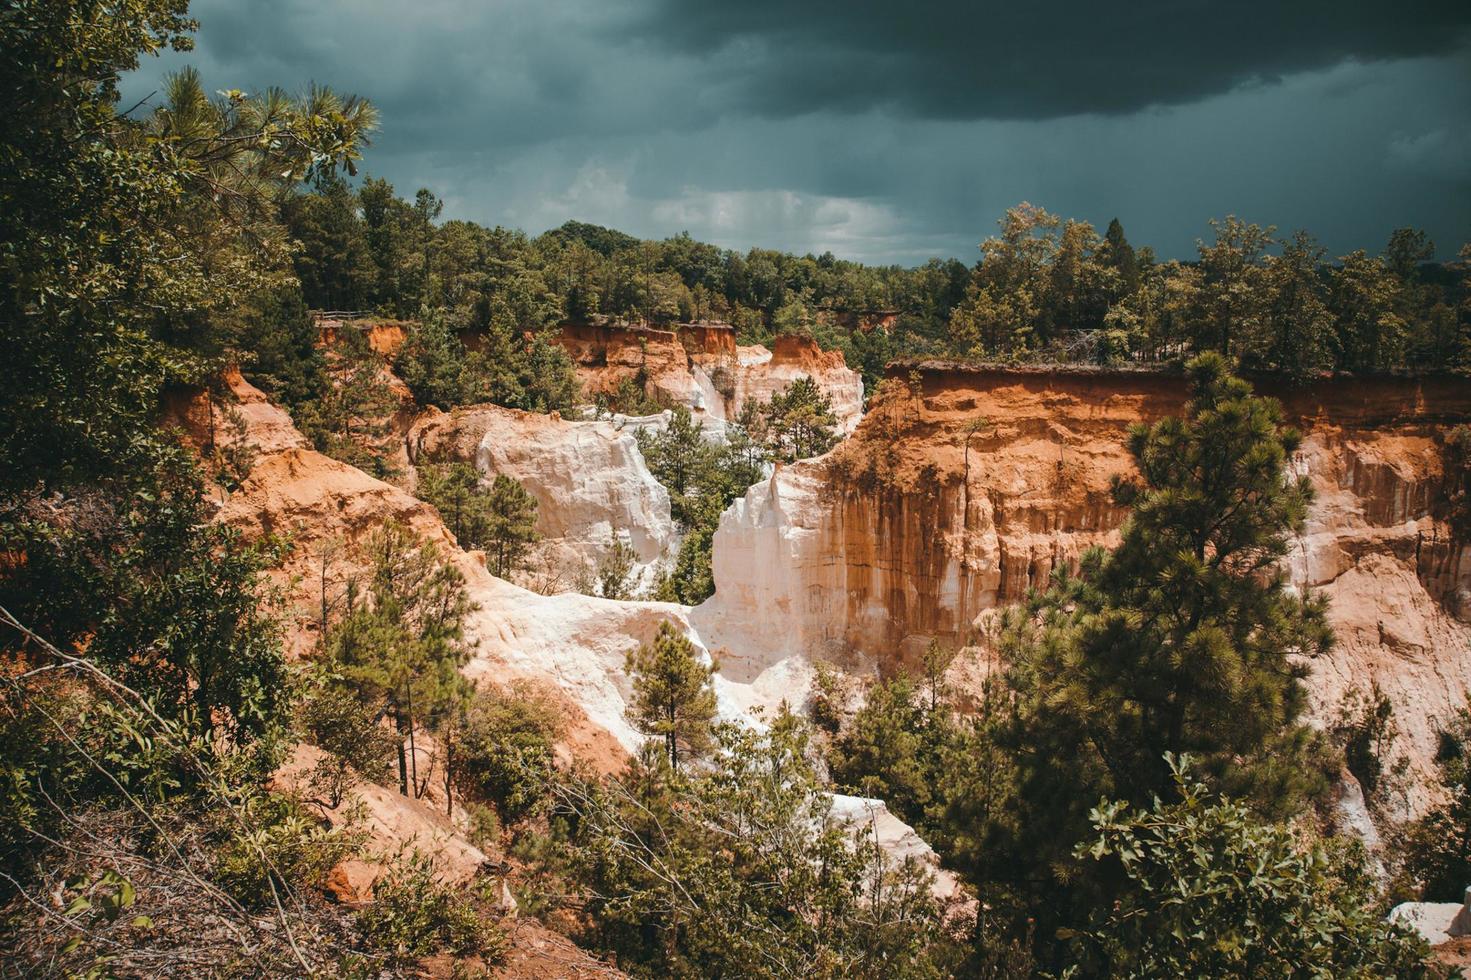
589 479
700 366
959 493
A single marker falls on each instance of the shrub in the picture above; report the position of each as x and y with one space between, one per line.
1206 889
277 846
1439 843
415 915
506 751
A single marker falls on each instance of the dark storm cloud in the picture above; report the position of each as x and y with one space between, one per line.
959 59
887 136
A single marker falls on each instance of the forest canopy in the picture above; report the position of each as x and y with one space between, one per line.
1043 289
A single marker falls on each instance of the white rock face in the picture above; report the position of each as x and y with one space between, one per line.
897 839
1436 922
1368 531
768 616
588 477
803 571
576 642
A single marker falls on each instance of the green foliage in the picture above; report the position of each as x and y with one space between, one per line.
400 646
829 699
702 477
333 261
631 397
673 699
352 419
869 353
1208 890
680 458
1439 843
615 570
454 490
273 845
1455 502
1366 731
432 362
909 747
505 750
64 752
355 746
194 628
275 343
413 915
130 245
547 377
503 365
125 238
894 749
799 422
1371 333
745 870
1294 332
1045 289
500 520
1180 639
171 602
692 579
511 525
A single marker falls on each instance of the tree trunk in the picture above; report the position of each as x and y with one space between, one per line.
403 763
413 751
449 771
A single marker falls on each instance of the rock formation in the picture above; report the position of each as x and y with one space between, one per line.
572 645
245 417
589 479
961 495
955 495
700 367
385 337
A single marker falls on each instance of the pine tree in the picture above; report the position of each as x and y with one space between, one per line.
351 419
401 645
1119 254
1228 308
800 422
1296 327
454 490
681 459
885 753
432 362
333 262
615 568
499 361
1186 638
1366 304
547 376
510 513
673 699
1439 844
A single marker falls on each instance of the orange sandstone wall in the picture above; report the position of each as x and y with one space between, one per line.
385 337
956 496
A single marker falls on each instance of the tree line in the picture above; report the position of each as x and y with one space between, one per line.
1043 289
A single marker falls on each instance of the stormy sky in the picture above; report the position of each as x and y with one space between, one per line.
890 131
